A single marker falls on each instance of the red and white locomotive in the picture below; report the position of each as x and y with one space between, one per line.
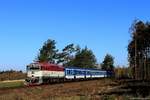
38 73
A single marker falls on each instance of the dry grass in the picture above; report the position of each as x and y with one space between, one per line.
85 90
12 75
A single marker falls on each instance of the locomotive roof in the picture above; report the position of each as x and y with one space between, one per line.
46 65
49 64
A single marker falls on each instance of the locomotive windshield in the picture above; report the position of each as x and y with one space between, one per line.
34 68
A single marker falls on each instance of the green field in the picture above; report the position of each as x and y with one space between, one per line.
11 84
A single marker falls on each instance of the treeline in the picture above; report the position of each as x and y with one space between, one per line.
72 55
12 75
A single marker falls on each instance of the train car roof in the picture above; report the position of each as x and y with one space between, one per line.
72 67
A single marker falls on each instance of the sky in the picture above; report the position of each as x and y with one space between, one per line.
101 25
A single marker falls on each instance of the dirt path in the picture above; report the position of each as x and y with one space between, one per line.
21 80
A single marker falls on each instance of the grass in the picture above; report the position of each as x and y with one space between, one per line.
13 84
87 90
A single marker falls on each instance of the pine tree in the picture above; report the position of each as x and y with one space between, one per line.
48 52
84 59
67 54
108 63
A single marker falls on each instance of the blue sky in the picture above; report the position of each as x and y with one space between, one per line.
101 25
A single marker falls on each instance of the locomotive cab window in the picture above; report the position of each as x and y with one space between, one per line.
34 68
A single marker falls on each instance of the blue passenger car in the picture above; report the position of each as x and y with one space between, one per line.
79 73
73 73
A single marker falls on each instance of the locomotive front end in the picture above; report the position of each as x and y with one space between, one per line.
34 74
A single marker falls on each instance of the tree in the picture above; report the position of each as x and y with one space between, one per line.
71 55
68 54
48 52
108 63
139 50
84 59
